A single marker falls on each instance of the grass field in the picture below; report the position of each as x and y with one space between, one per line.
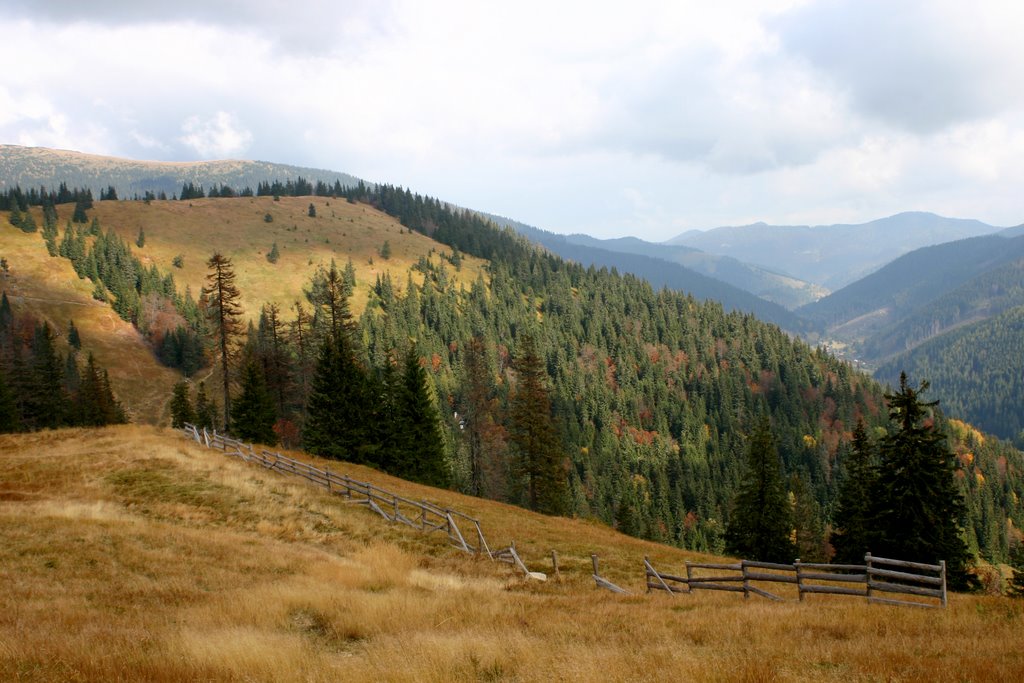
49 288
130 553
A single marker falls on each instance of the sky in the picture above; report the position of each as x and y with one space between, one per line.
611 119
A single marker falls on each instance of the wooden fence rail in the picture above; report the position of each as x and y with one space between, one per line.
418 514
874 576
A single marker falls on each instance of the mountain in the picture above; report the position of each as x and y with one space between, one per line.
977 371
832 255
35 167
658 271
652 392
909 283
778 288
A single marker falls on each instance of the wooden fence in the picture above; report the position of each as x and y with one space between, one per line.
418 514
876 575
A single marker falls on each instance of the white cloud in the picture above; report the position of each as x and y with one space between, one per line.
715 113
216 137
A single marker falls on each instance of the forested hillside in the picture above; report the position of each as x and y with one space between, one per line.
652 393
977 371
911 281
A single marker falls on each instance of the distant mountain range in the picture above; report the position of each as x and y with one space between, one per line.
660 272
832 256
35 167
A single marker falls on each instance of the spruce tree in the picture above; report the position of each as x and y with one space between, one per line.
852 517
918 512
206 409
419 422
224 314
761 522
181 406
1016 582
338 421
74 340
9 419
539 457
253 413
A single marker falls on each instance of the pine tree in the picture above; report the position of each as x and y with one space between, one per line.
312 211
419 422
9 418
224 313
273 254
852 517
206 409
79 215
74 340
918 512
533 436
761 522
181 406
808 526
253 414
140 240
338 414
47 402
1015 588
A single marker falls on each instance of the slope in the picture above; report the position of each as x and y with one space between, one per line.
131 554
50 289
832 255
885 297
34 167
977 371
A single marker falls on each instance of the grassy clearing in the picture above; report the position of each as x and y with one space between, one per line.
131 554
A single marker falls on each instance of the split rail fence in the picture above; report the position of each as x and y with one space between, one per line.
418 514
878 575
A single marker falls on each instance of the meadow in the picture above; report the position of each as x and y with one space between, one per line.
130 553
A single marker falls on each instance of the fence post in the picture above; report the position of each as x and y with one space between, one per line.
554 563
593 558
942 573
799 580
746 581
689 575
867 574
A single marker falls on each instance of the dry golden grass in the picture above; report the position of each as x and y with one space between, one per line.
50 289
131 554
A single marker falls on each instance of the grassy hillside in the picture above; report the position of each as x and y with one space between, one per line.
132 554
49 288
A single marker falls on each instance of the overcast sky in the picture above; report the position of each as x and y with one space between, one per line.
638 118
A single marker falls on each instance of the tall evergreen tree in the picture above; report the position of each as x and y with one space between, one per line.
918 512
533 435
1016 583
224 313
419 422
337 423
253 413
761 522
206 409
181 406
9 419
852 517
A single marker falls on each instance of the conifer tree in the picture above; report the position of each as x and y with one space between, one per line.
419 423
760 524
224 314
74 340
181 406
253 413
140 239
808 526
9 421
852 518
206 409
1016 582
918 512
539 458
337 423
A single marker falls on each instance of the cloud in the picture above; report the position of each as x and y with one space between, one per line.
920 65
217 137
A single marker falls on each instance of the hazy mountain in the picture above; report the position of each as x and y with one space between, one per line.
832 255
41 167
908 283
784 290
660 273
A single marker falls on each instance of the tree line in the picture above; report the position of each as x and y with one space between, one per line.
42 387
